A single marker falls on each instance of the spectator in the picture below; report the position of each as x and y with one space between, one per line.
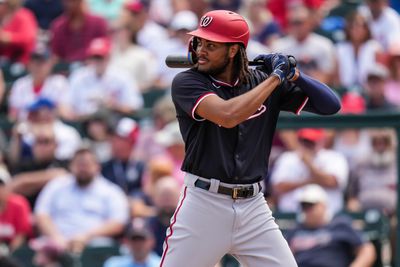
182 23
144 31
373 183
123 169
32 174
392 87
97 130
48 253
381 17
265 29
357 54
45 11
18 32
15 216
157 168
322 241
163 112
81 208
315 54
352 143
310 163
170 138
39 83
377 76
139 62
73 31
99 86
232 5
165 197
109 10
42 112
140 241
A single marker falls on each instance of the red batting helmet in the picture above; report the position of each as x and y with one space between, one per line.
223 26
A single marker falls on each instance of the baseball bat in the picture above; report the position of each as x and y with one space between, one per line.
179 61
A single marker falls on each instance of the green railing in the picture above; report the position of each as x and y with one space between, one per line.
371 120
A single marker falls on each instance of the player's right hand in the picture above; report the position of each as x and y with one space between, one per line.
293 72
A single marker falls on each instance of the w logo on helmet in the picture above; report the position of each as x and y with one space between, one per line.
205 21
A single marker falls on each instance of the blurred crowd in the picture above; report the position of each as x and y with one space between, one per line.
90 146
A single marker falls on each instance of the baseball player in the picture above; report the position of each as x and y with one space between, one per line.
227 114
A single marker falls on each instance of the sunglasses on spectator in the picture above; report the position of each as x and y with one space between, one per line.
381 140
307 142
97 57
306 205
44 141
297 22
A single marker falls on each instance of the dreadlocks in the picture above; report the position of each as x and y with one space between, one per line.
241 64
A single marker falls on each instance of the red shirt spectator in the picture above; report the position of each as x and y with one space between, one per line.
18 35
73 31
15 219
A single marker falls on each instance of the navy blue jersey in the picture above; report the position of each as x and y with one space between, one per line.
330 246
234 155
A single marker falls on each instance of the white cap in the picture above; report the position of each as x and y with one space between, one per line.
127 128
313 193
169 135
184 20
4 176
378 70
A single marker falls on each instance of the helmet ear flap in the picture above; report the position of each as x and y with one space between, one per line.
192 55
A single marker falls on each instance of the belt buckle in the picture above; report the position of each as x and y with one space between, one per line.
235 192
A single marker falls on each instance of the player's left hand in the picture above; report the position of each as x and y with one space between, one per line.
276 64
267 60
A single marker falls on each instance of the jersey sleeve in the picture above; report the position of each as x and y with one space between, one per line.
188 90
292 98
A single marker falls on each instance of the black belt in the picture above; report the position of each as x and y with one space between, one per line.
243 191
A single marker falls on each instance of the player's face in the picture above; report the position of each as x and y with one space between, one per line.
213 57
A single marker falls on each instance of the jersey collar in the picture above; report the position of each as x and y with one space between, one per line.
224 83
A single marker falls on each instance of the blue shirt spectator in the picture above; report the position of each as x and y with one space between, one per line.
139 239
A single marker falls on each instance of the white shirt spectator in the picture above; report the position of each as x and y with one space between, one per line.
22 94
75 210
290 168
152 36
386 28
353 69
88 92
139 62
316 50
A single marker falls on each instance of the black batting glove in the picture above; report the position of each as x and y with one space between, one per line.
293 72
275 64
267 60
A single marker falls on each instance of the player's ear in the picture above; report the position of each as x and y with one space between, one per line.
233 50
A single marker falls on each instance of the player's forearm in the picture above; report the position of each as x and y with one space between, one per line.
240 108
322 99
365 256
